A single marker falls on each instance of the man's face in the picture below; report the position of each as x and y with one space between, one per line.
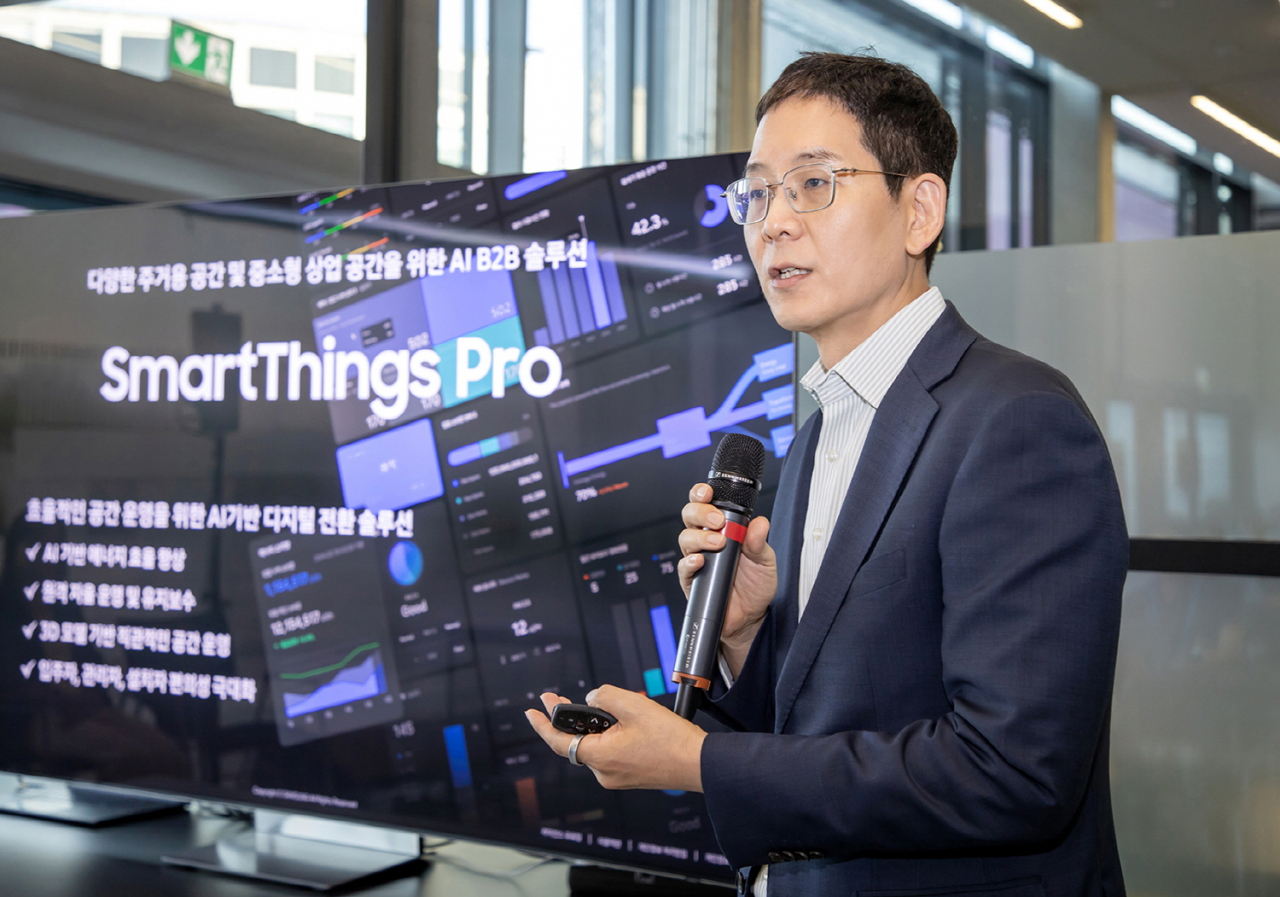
841 267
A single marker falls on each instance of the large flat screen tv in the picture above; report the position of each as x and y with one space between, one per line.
307 498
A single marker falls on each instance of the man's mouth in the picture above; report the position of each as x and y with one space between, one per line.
785 273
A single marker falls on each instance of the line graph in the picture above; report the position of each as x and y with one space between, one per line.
334 666
365 680
330 231
308 209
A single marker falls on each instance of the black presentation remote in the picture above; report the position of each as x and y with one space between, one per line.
579 719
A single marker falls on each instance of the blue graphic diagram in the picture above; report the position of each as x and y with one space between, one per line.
365 680
491 445
395 469
714 216
691 429
404 563
578 301
533 183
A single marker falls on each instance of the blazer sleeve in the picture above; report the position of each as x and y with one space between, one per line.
748 705
1034 554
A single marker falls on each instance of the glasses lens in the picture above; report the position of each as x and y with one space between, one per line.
810 188
748 200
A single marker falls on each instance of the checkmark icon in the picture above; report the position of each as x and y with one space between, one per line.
26 668
30 628
32 552
30 591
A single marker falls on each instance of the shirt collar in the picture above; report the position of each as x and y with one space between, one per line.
870 369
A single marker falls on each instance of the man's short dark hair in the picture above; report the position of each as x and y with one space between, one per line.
904 124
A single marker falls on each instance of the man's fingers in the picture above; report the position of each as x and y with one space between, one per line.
611 699
699 515
557 740
701 492
757 540
692 541
550 700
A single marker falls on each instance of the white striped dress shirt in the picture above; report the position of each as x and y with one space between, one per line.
849 395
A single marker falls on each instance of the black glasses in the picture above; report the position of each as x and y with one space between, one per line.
808 188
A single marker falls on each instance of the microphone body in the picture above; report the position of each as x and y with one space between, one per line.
735 484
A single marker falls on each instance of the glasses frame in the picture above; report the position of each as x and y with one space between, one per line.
770 187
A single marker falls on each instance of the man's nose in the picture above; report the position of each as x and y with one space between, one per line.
779 219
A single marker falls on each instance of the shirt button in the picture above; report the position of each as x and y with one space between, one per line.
832 455
817 533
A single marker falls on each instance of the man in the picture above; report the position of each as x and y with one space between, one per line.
919 660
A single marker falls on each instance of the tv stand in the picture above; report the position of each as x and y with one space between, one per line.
307 852
76 804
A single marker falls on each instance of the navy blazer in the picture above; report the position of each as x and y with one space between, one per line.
937 723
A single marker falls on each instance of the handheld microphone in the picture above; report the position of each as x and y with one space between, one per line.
734 478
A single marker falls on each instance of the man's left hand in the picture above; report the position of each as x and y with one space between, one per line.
650 747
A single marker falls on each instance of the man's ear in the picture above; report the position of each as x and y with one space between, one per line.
927 197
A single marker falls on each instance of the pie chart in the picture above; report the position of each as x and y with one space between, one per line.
715 215
405 563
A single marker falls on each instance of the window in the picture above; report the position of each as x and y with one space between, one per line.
273 68
338 124
575 82
320 58
554 90
335 74
1001 109
147 57
1161 193
1146 194
86 45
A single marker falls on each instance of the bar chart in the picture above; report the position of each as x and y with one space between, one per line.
491 445
646 644
579 301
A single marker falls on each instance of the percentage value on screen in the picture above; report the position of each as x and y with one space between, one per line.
648 225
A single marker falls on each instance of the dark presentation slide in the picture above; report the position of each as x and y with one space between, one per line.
306 499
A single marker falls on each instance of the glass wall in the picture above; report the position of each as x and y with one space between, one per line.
1172 344
308 68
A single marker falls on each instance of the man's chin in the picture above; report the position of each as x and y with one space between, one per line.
788 316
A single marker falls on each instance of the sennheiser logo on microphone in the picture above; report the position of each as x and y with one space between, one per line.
691 642
714 474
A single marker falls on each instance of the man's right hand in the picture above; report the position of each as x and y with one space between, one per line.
755 583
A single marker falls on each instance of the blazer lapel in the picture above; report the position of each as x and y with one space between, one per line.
787 532
892 444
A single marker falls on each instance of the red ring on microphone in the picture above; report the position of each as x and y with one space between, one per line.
735 531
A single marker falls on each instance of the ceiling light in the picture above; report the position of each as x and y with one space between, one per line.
943 10
1237 124
1224 164
1059 14
1144 121
1006 44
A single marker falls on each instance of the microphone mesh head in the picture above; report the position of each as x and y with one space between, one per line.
742 456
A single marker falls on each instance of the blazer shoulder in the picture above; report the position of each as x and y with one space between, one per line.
997 374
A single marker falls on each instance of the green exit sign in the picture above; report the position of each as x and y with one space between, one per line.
199 54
